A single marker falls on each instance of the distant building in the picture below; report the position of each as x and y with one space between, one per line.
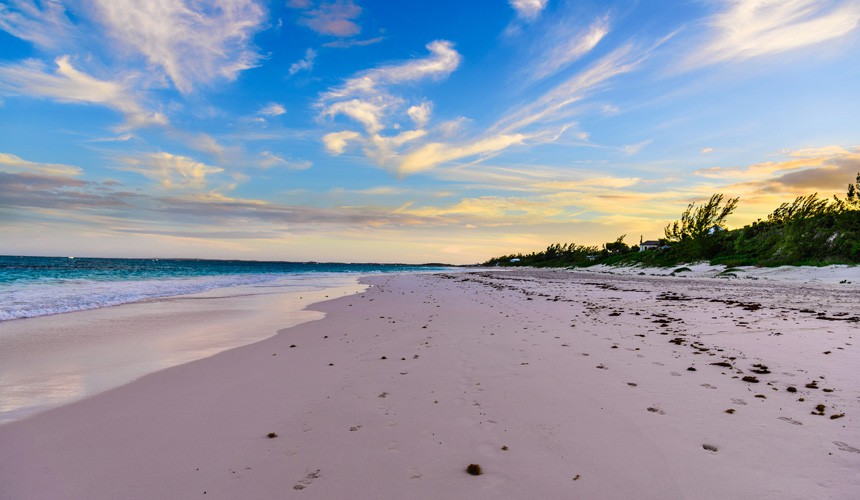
648 245
515 260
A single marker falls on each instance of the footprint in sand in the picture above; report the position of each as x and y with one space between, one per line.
844 447
708 386
738 401
307 480
791 420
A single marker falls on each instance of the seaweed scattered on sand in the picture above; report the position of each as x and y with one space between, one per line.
750 379
474 469
271 435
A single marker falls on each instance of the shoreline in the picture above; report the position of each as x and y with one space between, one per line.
576 374
52 360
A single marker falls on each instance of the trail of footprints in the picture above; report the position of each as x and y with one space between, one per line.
669 322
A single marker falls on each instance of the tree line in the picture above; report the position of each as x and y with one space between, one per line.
807 231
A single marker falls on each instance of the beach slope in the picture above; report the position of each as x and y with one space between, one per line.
558 384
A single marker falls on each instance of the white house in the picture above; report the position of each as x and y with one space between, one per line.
648 245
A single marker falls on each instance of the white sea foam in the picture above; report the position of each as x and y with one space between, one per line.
54 297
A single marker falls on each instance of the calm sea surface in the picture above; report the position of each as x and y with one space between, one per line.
39 286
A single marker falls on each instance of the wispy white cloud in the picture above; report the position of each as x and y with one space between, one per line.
823 151
528 9
565 43
270 160
708 150
68 84
554 105
420 113
337 142
367 113
44 24
192 42
632 149
116 138
307 63
756 28
13 164
367 99
435 153
542 120
171 171
206 143
273 109
443 60
345 44
538 179
331 18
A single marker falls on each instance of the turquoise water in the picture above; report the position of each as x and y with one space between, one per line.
39 286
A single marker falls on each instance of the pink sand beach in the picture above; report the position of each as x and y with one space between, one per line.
558 384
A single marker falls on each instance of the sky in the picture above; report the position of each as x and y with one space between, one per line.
420 131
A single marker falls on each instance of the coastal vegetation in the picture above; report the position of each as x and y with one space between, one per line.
807 231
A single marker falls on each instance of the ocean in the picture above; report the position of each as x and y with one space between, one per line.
40 286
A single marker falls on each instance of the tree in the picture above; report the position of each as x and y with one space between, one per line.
696 223
854 192
801 209
617 246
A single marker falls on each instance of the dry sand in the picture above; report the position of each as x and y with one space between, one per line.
559 384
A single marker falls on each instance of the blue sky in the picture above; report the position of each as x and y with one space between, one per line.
357 130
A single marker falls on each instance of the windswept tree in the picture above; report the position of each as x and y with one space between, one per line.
801 209
699 222
853 196
697 235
